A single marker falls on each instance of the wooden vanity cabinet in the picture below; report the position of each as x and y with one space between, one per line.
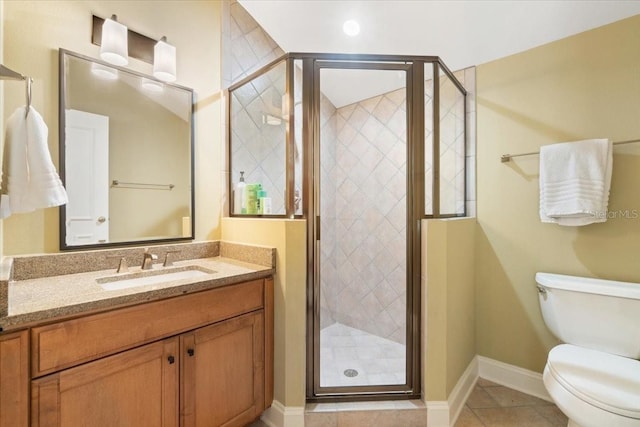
138 387
14 379
223 373
214 375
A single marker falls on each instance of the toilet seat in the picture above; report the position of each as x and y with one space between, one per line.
606 381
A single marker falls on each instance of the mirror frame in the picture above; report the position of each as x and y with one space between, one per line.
61 155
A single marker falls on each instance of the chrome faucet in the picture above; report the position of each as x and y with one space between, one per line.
168 260
147 261
123 267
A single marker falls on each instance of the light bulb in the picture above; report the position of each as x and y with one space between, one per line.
351 28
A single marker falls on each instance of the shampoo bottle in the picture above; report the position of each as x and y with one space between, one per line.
251 196
239 206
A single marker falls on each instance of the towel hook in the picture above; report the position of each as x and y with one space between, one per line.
28 81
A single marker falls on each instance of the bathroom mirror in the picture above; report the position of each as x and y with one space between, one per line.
126 156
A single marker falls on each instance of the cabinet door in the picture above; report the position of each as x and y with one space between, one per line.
138 387
223 373
14 379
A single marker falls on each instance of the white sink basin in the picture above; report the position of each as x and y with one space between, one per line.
152 277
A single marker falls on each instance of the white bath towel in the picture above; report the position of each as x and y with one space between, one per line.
29 179
575 178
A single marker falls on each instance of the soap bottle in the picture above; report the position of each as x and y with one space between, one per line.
239 206
265 203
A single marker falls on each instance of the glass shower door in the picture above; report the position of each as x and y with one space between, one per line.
361 194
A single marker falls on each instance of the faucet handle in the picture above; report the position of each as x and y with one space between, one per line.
149 254
167 261
123 267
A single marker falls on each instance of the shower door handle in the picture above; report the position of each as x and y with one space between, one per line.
318 227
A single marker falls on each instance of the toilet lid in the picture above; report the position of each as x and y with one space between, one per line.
604 380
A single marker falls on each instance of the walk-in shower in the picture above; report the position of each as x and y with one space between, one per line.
363 147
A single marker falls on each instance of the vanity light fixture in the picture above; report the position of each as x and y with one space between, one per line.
114 44
351 27
157 52
164 61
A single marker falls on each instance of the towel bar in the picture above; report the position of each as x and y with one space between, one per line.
507 157
7 73
142 185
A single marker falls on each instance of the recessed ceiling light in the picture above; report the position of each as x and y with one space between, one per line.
351 28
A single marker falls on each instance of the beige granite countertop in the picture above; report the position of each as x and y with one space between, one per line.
47 298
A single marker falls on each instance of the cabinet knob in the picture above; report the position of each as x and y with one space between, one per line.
171 360
191 351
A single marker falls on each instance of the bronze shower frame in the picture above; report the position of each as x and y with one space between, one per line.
415 87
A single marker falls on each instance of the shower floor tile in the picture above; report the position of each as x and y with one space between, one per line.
378 361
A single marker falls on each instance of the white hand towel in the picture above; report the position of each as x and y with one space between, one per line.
45 187
30 179
575 178
15 169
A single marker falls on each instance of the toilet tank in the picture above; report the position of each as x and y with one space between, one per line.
593 313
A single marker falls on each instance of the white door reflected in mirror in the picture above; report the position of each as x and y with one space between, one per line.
87 177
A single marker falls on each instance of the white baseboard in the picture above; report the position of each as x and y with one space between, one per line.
279 415
513 377
462 390
445 413
440 413
437 413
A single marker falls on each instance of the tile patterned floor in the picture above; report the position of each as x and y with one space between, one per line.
489 405
492 405
377 360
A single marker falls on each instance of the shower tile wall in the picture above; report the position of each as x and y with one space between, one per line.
247 47
428 147
365 280
329 280
468 79
258 148
452 146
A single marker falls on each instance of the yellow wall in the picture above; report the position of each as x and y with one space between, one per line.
448 299
580 87
34 30
289 239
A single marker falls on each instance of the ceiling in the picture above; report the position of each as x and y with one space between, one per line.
462 33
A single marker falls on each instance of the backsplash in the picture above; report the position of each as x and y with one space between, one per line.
36 266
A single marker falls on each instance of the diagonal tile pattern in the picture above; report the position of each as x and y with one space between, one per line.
363 182
363 218
493 405
258 147
452 146
250 46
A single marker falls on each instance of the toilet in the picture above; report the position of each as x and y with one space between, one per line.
594 377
